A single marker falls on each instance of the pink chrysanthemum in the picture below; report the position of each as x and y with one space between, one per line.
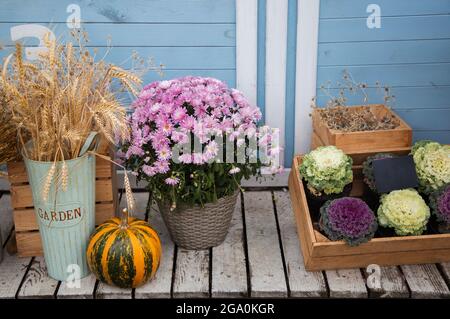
189 110
172 181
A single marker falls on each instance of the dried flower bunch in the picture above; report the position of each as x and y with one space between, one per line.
369 178
348 219
56 101
338 116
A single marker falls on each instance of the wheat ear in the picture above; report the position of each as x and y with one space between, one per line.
128 192
64 176
48 181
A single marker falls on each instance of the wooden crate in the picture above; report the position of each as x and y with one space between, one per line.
361 155
26 226
319 253
352 142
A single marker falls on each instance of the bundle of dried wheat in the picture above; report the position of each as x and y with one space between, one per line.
59 99
8 143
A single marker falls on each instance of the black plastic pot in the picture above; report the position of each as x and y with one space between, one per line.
315 202
371 198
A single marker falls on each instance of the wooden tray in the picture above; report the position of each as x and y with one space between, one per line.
352 142
320 253
25 224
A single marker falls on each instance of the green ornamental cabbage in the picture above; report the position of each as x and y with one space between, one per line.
432 162
405 211
326 169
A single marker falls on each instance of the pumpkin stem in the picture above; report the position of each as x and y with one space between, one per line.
124 221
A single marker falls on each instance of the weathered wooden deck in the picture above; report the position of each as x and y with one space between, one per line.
260 258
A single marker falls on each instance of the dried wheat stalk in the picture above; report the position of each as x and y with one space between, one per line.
59 99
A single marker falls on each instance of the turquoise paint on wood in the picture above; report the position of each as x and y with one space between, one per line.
410 53
426 119
357 8
121 11
172 58
261 56
392 28
385 52
289 132
136 35
189 37
441 136
405 97
392 75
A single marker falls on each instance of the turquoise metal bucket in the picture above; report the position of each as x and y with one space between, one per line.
66 218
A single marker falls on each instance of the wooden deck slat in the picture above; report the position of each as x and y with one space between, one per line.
12 271
105 291
37 284
160 285
392 284
6 217
229 272
445 268
425 281
301 282
110 292
191 274
267 278
12 268
346 283
84 291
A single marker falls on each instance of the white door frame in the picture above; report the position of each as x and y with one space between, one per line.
306 61
275 86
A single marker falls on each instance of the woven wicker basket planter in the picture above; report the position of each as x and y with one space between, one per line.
199 227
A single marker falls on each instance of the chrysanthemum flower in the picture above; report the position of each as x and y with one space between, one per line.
172 181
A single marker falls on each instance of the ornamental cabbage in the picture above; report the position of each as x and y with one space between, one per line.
369 177
326 169
349 219
440 204
432 165
405 211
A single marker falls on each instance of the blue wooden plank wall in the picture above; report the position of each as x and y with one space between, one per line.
190 37
410 53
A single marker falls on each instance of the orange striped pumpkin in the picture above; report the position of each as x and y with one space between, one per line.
124 252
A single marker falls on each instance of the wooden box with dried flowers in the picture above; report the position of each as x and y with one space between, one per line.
397 135
320 253
26 227
363 127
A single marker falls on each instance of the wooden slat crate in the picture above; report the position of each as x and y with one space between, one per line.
372 141
320 253
26 227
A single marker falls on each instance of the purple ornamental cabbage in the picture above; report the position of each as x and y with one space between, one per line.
349 219
440 204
